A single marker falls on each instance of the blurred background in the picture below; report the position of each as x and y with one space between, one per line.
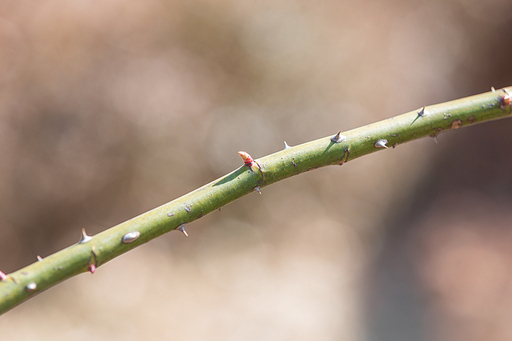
109 109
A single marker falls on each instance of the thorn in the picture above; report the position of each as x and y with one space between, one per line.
187 208
381 143
3 276
338 138
257 189
493 89
85 238
435 138
182 229
39 258
171 214
286 146
219 210
248 160
130 237
31 287
422 112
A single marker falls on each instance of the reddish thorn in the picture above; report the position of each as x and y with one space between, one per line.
3 276
257 189
39 258
248 160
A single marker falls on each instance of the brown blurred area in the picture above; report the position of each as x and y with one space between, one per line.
109 109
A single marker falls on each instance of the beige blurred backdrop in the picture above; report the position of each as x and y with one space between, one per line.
111 108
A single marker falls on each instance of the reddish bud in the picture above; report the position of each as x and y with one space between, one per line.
505 100
248 160
3 276
91 268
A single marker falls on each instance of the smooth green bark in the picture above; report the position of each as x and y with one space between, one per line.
22 284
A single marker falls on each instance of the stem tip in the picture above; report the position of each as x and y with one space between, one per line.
505 100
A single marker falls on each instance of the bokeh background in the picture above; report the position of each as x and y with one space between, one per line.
109 109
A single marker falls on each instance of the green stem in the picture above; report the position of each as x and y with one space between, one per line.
82 257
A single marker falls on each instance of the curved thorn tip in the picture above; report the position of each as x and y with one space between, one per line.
338 138
85 238
182 229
